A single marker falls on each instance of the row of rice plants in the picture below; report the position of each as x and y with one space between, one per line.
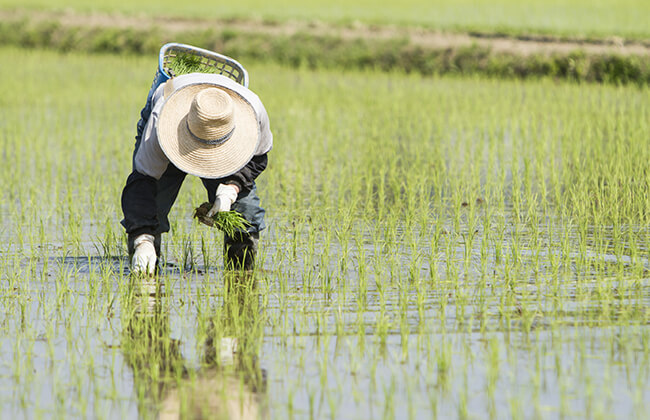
446 246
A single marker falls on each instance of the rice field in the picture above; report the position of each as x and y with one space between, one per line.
438 247
627 18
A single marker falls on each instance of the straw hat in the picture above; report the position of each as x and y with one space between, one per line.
208 130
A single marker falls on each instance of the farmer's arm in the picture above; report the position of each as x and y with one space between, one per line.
139 194
244 179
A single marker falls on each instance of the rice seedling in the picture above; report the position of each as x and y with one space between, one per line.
229 222
183 63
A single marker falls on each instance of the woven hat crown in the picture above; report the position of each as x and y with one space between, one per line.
210 118
207 129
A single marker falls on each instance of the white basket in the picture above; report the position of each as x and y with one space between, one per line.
211 60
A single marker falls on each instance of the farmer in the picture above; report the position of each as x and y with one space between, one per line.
205 125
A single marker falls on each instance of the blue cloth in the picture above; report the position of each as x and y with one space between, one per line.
144 117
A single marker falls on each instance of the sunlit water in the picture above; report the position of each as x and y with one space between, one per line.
393 331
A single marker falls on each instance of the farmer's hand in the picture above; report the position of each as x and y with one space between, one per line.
144 257
226 195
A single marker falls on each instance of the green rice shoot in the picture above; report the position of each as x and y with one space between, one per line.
229 222
186 63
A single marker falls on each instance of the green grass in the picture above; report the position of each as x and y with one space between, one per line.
332 52
627 18
436 247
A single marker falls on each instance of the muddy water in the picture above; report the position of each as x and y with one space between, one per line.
393 331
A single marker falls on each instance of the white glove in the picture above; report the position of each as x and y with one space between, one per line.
144 257
226 195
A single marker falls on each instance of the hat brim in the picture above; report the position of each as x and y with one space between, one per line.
196 158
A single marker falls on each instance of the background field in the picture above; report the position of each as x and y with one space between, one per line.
605 18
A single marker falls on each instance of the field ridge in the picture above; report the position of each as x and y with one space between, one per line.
318 44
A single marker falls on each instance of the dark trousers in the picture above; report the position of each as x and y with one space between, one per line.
146 203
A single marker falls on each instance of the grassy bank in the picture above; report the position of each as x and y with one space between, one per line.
315 51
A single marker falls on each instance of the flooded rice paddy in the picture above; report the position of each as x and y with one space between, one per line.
446 247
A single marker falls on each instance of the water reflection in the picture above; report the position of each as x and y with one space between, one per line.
229 383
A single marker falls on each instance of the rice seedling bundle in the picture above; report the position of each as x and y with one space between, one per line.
229 222
184 63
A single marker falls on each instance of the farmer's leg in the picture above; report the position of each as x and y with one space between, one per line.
139 207
140 216
240 249
168 187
